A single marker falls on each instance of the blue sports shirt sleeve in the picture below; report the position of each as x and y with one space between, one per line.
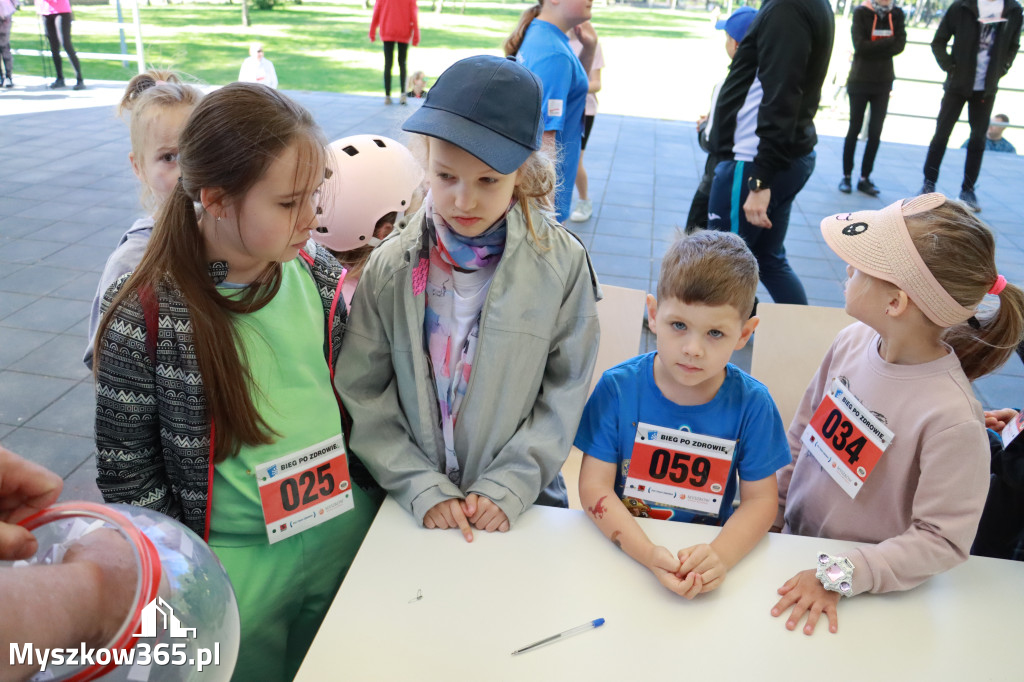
762 448
555 73
598 433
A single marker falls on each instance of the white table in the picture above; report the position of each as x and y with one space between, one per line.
555 571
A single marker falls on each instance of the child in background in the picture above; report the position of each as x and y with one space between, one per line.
374 183
482 267
416 87
584 207
636 424
1001 529
219 303
157 104
7 9
891 407
256 68
540 44
735 28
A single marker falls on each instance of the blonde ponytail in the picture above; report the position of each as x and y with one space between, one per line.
959 251
515 41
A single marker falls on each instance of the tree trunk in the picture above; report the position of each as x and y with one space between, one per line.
245 13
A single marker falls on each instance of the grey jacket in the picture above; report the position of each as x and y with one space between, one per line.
125 258
536 353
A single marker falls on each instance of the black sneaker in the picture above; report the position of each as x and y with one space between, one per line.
80 85
927 188
59 83
967 196
844 185
867 187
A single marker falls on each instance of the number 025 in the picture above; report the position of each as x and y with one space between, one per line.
290 488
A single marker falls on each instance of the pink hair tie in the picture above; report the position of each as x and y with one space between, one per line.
998 287
161 83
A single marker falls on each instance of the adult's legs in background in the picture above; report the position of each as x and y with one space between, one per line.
65 34
858 103
979 113
51 36
949 112
725 212
879 107
5 49
389 55
697 219
402 51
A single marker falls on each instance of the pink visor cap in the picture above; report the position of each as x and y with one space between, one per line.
878 244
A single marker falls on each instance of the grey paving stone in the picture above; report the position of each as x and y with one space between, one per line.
82 288
37 279
26 250
627 213
80 484
606 225
48 315
64 231
17 343
604 243
10 302
61 453
79 257
59 357
53 210
624 266
21 226
74 413
23 396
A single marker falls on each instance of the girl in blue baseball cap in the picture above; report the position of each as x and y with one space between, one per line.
468 356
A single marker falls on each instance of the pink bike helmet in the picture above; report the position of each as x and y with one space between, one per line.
372 176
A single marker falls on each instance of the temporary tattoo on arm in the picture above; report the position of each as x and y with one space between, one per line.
615 538
598 509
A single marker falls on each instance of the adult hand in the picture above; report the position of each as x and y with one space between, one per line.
756 208
449 514
703 560
25 488
112 562
665 568
484 514
586 34
807 595
998 419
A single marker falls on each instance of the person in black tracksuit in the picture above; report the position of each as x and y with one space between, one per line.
764 129
879 33
1001 529
967 84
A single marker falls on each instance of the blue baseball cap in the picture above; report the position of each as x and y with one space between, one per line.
738 23
489 106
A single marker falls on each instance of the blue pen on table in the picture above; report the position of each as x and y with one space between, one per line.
596 623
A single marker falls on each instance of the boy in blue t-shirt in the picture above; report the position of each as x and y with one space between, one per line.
668 432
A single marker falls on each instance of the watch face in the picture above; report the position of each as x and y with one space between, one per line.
753 184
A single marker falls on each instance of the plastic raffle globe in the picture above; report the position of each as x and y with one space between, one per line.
183 624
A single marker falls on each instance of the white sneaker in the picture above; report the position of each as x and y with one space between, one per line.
584 209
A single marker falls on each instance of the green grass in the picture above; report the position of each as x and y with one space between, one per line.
314 46
659 63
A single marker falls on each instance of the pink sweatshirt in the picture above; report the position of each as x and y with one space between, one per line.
47 7
923 500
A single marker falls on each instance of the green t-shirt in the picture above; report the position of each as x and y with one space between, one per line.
292 391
